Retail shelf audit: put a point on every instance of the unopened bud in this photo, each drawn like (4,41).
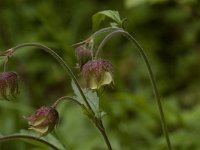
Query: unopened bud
(83,54)
(8,85)
(43,120)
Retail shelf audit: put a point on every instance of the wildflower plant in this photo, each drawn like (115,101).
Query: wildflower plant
(97,72)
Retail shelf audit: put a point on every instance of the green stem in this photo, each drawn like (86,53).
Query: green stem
(95,34)
(104,30)
(65,98)
(153,82)
(66,67)
(96,121)
(102,130)
(62,62)
(20,136)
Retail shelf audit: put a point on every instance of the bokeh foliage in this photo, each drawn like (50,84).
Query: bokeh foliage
(169,31)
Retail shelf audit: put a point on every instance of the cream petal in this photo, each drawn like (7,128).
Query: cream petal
(40,129)
(93,83)
(37,122)
(106,79)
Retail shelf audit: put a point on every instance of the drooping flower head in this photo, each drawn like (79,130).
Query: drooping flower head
(83,54)
(43,120)
(8,85)
(97,73)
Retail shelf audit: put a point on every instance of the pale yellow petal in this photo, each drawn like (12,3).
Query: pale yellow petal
(40,129)
(93,83)
(37,122)
(106,79)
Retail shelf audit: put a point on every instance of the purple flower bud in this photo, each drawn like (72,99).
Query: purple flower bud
(97,73)
(43,120)
(83,54)
(8,85)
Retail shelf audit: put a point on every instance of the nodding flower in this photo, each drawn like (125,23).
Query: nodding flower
(43,120)
(97,73)
(8,85)
(83,54)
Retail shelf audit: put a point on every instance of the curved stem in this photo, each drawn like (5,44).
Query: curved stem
(66,67)
(21,136)
(95,34)
(65,98)
(153,82)
(104,30)
(62,62)
(96,121)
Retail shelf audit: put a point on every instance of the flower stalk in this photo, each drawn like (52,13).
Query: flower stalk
(88,109)
(153,82)
(65,98)
(60,60)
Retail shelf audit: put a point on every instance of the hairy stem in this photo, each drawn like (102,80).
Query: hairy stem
(62,62)
(21,136)
(153,82)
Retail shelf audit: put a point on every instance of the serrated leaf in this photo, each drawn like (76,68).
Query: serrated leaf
(100,16)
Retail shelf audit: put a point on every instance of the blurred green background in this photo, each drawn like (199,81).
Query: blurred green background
(168,30)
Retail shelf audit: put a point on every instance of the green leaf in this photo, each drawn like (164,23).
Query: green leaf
(100,16)
(113,24)
(77,93)
(90,95)
(93,100)
(53,140)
